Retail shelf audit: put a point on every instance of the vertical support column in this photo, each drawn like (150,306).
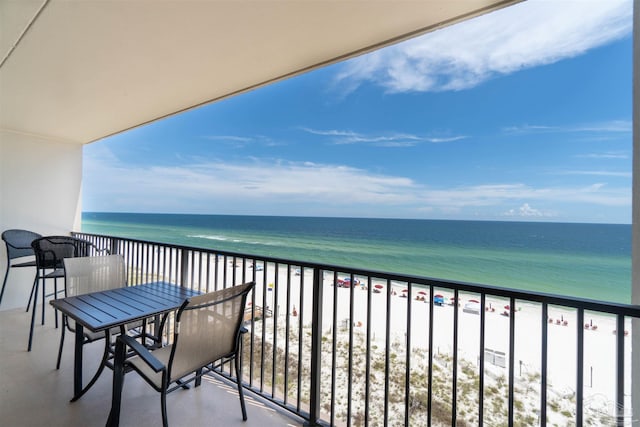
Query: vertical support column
(620,403)
(184,268)
(114,246)
(635,276)
(316,349)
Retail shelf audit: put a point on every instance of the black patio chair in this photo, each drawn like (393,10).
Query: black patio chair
(50,251)
(208,329)
(18,243)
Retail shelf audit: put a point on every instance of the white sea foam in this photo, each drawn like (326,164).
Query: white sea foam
(234,240)
(208,237)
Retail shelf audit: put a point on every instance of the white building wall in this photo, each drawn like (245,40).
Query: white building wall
(40,190)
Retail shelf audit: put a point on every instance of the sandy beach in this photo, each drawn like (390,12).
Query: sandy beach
(352,308)
(390,304)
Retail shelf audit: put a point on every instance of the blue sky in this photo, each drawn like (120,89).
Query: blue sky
(523,114)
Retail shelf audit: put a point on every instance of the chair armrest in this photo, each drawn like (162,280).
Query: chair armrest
(142,351)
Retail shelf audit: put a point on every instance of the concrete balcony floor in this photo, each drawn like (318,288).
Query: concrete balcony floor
(34,393)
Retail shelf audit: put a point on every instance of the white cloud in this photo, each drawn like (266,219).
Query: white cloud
(598,173)
(525,211)
(609,127)
(608,155)
(498,194)
(387,140)
(307,188)
(228,138)
(529,34)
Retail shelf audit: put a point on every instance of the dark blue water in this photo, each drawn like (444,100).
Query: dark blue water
(586,260)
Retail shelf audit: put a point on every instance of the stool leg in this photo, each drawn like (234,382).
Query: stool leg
(44,293)
(31,294)
(33,312)
(4,282)
(55,296)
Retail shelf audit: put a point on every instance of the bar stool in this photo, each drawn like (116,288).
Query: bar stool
(18,243)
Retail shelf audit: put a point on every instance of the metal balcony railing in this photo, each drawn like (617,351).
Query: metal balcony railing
(345,346)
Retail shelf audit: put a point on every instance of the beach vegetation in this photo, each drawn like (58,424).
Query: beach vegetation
(352,355)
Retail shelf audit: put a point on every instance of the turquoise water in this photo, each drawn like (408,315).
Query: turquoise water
(583,260)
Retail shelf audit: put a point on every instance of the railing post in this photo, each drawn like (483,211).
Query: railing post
(316,349)
(114,245)
(184,268)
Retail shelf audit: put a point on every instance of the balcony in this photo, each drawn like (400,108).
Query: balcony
(34,393)
(330,345)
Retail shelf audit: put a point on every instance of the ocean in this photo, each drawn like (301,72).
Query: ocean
(582,260)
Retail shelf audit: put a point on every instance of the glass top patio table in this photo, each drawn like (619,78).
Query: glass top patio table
(101,311)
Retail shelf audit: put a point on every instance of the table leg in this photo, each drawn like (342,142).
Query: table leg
(77,362)
(118,380)
(103,363)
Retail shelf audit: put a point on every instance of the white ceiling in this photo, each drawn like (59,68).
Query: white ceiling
(78,70)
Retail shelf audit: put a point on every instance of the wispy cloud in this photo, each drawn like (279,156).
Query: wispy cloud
(228,138)
(623,126)
(529,34)
(598,173)
(526,129)
(609,155)
(498,194)
(243,141)
(612,126)
(387,140)
(256,186)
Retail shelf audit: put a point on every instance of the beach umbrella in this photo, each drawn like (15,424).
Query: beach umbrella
(474,300)
(422,293)
(405,290)
(438,296)
(378,286)
(507,307)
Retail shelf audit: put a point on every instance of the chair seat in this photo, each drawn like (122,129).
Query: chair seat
(24,264)
(162,354)
(55,274)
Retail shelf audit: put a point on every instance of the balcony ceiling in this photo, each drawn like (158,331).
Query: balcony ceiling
(78,71)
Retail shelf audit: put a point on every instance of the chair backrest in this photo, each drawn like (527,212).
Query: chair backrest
(93,274)
(207,328)
(51,250)
(18,242)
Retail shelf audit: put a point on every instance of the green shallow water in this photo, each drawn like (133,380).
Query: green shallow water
(582,260)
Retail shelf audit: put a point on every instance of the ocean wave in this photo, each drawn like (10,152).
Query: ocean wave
(208,237)
(233,240)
